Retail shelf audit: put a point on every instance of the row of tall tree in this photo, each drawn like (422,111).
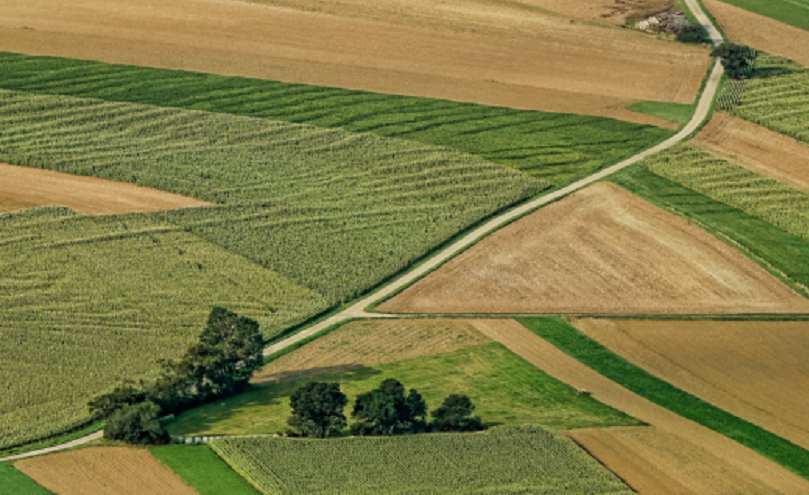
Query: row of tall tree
(318,411)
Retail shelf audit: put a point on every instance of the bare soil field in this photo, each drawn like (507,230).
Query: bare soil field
(742,26)
(107,470)
(758,149)
(369,343)
(655,462)
(27,187)
(746,463)
(755,370)
(599,251)
(514,54)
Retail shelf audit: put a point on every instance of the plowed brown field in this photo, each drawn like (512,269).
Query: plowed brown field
(761,150)
(658,463)
(513,54)
(107,470)
(368,343)
(599,251)
(742,26)
(26,187)
(758,371)
(561,366)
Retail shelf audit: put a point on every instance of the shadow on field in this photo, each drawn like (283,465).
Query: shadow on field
(296,375)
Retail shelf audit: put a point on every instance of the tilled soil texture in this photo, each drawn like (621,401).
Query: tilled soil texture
(747,28)
(754,370)
(758,149)
(747,463)
(512,54)
(27,187)
(368,343)
(658,463)
(107,470)
(617,12)
(599,251)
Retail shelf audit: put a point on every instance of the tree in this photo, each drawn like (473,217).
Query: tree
(137,424)
(455,414)
(387,411)
(124,395)
(736,59)
(317,410)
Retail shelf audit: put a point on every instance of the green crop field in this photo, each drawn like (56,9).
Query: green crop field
(558,148)
(201,469)
(736,186)
(506,459)
(676,112)
(505,389)
(777,97)
(13,482)
(792,12)
(787,255)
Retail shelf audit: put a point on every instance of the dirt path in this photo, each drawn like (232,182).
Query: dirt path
(556,363)
(56,448)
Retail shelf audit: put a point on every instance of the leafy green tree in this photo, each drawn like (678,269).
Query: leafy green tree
(137,424)
(317,410)
(126,394)
(736,59)
(388,411)
(455,414)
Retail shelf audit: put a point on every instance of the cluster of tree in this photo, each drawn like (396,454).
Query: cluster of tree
(317,411)
(737,60)
(220,364)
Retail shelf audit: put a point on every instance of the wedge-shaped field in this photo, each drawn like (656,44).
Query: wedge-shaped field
(759,149)
(600,250)
(754,370)
(527,459)
(26,187)
(652,461)
(512,54)
(108,470)
(369,343)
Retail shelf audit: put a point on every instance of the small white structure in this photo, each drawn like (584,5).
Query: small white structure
(672,22)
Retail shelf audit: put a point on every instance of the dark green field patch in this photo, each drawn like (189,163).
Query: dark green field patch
(792,12)
(13,482)
(203,470)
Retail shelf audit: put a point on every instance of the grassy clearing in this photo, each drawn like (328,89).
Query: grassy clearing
(559,148)
(13,482)
(676,112)
(505,389)
(201,469)
(588,351)
(792,12)
(525,459)
(785,254)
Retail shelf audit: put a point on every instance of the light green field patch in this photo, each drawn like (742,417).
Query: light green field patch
(675,112)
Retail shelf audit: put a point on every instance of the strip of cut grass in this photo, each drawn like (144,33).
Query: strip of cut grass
(675,112)
(792,12)
(203,470)
(14,482)
(593,354)
(559,148)
(504,388)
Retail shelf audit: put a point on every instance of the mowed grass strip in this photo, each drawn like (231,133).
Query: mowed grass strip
(504,388)
(786,254)
(506,459)
(675,112)
(201,469)
(588,351)
(559,148)
(13,482)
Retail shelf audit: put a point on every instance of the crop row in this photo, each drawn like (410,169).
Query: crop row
(559,148)
(513,459)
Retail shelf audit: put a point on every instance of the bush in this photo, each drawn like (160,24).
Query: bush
(691,34)
(137,424)
(455,414)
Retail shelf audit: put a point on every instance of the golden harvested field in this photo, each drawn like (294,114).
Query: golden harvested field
(758,371)
(658,463)
(758,149)
(742,26)
(27,187)
(599,251)
(107,470)
(368,343)
(515,54)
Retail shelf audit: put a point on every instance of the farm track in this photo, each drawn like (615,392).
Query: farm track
(358,309)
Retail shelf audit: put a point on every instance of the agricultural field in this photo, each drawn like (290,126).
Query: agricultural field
(600,250)
(109,470)
(26,187)
(514,54)
(505,458)
(16,483)
(201,469)
(558,148)
(758,149)
(791,12)
(504,388)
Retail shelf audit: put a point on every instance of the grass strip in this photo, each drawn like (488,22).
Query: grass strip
(203,470)
(14,482)
(596,356)
(792,12)
(58,440)
(675,112)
